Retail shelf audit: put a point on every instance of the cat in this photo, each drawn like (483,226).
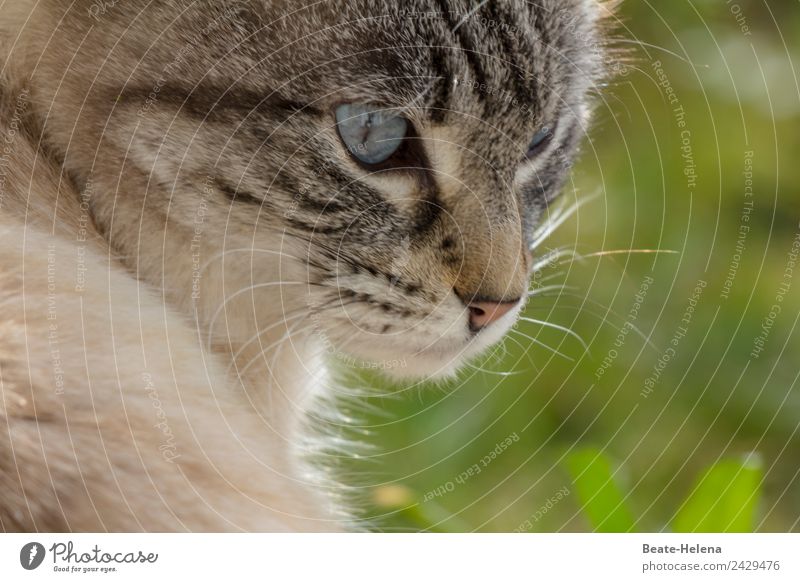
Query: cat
(204,204)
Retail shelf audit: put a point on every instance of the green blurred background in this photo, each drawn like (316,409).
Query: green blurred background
(577,441)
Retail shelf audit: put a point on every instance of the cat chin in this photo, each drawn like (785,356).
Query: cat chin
(404,367)
(423,368)
(434,365)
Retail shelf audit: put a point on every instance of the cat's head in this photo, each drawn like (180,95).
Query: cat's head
(401,155)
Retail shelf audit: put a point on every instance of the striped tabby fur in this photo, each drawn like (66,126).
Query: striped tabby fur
(185,242)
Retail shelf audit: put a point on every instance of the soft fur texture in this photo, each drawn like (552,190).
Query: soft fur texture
(184,239)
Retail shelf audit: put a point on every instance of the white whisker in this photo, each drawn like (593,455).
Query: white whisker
(543,291)
(524,350)
(469,15)
(542,344)
(647,45)
(553,258)
(566,330)
(603,317)
(558,218)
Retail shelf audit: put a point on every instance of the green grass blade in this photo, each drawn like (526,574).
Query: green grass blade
(602,500)
(724,500)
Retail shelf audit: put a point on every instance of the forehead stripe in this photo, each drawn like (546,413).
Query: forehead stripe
(514,45)
(462,37)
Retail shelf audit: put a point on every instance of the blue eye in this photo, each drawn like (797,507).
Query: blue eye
(539,141)
(372,135)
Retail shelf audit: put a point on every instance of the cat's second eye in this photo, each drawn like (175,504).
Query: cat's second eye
(539,142)
(370,133)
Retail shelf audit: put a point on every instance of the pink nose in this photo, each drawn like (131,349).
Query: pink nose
(485,313)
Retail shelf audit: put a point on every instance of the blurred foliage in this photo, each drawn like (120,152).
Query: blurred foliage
(603,502)
(724,500)
(659,425)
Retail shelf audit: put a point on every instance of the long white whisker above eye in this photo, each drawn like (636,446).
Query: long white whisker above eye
(553,258)
(558,218)
(561,328)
